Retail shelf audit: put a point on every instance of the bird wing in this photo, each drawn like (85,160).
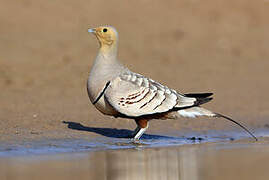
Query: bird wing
(134,95)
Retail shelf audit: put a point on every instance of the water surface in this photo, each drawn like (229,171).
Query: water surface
(237,160)
(153,158)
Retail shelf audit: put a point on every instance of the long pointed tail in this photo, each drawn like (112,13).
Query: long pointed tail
(243,127)
(199,111)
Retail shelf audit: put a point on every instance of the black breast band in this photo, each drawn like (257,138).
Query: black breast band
(102,93)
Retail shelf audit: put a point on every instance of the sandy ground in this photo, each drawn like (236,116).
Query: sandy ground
(191,46)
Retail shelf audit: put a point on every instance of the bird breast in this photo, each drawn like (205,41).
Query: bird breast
(103,106)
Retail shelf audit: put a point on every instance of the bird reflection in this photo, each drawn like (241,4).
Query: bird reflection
(172,164)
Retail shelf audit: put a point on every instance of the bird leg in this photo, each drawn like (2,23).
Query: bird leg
(136,131)
(142,126)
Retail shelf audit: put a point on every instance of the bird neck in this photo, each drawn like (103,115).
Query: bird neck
(109,51)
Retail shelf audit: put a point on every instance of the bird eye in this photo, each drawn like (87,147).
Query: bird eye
(105,30)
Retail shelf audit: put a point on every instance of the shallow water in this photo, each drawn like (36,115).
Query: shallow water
(155,157)
(106,143)
(241,159)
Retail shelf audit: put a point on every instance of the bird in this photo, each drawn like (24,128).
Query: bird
(117,91)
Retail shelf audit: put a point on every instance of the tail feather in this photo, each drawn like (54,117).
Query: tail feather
(243,127)
(199,111)
(200,101)
(201,98)
(195,112)
(198,95)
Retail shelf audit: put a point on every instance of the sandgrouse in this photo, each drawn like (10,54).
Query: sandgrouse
(116,91)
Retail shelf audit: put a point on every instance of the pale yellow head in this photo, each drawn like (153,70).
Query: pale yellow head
(106,35)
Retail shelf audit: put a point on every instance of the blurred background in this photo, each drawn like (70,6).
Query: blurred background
(189,45)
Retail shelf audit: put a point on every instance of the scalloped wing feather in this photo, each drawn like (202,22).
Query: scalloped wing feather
(134,95)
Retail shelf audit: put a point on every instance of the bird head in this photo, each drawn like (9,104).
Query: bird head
(106,35)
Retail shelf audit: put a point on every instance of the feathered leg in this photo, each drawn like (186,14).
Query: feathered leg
(142,126)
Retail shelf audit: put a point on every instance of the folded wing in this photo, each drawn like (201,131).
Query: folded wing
(134,95)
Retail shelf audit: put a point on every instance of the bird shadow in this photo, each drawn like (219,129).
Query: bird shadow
(111,132)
